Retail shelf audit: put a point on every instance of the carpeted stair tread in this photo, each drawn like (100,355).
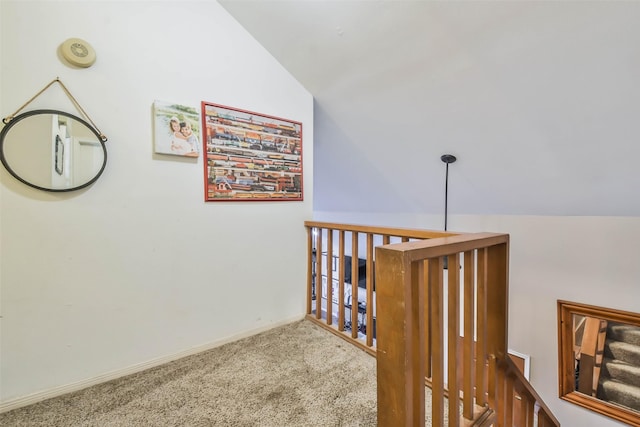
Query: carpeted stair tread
(620,371)
(622,394)
(620,375)
(623,351)
(622,332)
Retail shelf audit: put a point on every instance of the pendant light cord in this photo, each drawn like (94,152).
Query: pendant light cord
(446,196)
(447,158)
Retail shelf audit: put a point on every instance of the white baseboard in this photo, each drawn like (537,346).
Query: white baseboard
(69,388)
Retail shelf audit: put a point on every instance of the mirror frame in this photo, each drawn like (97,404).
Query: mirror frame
(5,130)
(566,358)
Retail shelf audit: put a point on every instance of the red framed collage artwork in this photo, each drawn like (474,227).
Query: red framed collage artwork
(250,156)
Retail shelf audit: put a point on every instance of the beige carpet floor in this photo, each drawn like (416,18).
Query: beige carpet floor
(295,375)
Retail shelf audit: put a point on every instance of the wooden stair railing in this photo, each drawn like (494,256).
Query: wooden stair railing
(416,310)
(411,326)
(522,406)
(424,322)
(326,241)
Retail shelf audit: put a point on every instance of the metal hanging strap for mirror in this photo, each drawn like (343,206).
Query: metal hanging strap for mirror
(103,137)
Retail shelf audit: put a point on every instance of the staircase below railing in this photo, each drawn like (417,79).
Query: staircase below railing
(620,376)
(416,320)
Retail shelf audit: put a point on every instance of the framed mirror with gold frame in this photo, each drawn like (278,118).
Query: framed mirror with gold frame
(599,359)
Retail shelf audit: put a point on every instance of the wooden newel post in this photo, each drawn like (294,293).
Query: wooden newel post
(497,291)
(498,299)
(400,348)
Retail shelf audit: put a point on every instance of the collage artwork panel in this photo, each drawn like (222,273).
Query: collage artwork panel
(250,157)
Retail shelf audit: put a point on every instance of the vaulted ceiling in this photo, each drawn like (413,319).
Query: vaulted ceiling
(539,101)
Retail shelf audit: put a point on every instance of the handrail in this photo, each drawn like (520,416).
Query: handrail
(449,333)
(532,407)
(412,233)
(448,245)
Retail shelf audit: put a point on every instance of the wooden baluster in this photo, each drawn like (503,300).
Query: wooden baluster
(319,274)
(437,340)
(309,268)
(526,409)
(329,276)
(521,409)
(588,356)
(418,290)
(426,322)
(369,289)
(354,284)
(496,291)
(543,420)
(481,333)
(508,404)
(468,371)
(341,280)
(453,328)
(530,410)
(497,391)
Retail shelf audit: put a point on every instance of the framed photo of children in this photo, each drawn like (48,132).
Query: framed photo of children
(176,129)
(250,156)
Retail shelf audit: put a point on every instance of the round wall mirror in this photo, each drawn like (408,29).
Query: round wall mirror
(52,150)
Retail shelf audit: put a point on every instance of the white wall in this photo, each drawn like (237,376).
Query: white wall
(138,267)
(591,260)
(538,99)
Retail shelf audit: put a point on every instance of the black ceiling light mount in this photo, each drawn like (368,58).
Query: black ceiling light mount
(447,159)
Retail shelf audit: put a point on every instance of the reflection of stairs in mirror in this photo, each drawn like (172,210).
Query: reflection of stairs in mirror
(620,375)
